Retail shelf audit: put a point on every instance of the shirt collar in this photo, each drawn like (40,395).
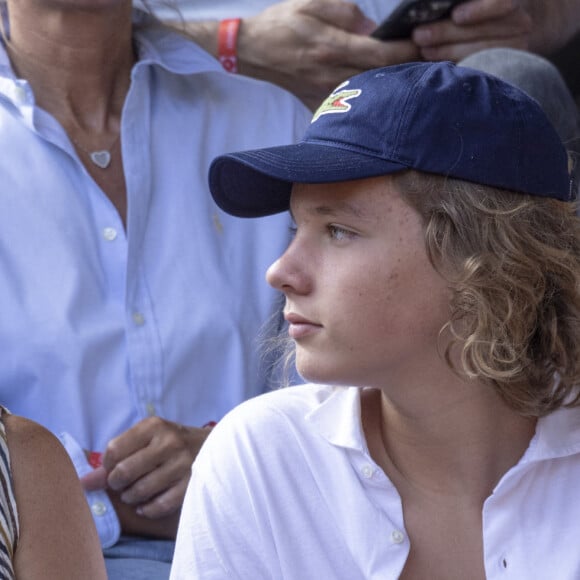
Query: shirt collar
(557,435)
(338,420)
(159,45)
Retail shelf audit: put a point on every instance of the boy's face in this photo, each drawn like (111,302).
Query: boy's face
(364,304)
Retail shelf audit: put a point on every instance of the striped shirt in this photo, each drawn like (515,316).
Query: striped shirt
(8,512)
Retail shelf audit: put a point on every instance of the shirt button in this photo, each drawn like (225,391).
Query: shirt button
(109,234)
(397,537)
(367,471)
(138,319)
(150,409)
(98,508)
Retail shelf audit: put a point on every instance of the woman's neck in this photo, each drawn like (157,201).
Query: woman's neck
(78,62)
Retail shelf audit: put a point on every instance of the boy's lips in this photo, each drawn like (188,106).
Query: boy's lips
(299,327)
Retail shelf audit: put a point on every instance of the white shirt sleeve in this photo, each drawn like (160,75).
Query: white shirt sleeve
(219,536)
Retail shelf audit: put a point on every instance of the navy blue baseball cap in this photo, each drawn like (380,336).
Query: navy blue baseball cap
(431,117)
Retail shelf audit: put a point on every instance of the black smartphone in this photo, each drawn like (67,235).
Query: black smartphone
(410,13)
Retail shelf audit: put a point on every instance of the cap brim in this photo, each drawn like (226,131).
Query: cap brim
(258,183)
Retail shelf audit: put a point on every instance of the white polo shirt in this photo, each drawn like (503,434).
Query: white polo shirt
(285,488)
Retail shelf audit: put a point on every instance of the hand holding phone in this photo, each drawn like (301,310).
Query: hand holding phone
(410,13)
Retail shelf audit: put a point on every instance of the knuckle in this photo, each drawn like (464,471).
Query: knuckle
(183,467)
(112,450)
(155,422)
(172,434)
(140,491)
(121,475)
(324,54)
(352,11)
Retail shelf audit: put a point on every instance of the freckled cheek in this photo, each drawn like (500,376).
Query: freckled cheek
(374,301)
(397,301)
(388,301)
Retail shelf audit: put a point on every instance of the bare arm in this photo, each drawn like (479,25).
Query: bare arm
(310,46)
(58,538)
(307,46)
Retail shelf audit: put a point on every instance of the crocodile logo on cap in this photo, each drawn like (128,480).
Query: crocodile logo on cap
(336,102)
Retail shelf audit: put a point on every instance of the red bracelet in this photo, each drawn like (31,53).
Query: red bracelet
(227,43)
(95,459)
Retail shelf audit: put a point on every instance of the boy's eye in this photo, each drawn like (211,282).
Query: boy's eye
(338,233)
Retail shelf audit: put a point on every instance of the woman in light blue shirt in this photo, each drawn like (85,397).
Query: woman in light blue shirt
(131,304)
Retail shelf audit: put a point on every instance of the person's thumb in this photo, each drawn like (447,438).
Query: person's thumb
(95,480)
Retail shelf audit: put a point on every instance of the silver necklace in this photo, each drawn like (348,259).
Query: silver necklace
(100,157)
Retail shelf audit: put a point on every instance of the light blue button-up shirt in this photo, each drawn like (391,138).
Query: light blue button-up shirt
(100,326)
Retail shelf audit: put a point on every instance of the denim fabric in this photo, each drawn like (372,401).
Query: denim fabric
(134,558)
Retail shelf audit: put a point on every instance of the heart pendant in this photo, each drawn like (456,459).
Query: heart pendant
(101,159)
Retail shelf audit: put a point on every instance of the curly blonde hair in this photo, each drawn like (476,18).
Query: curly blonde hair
(513,263)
